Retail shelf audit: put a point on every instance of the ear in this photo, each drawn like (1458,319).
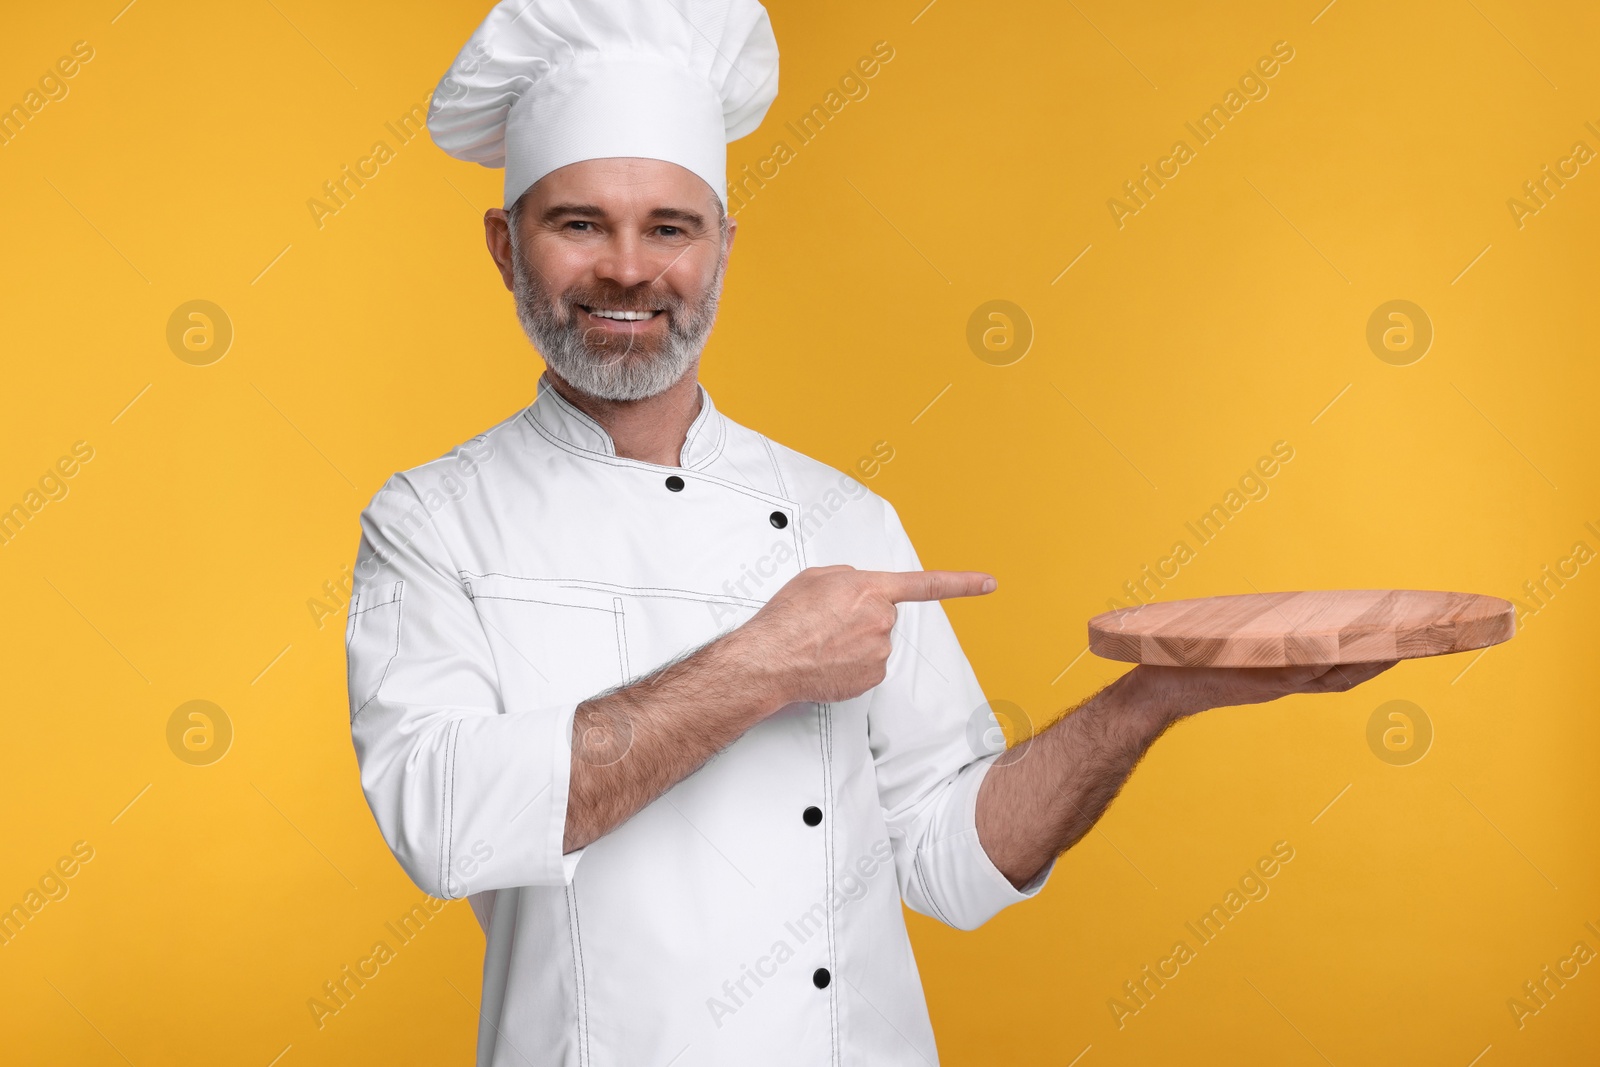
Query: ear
(497,235)
(727,250)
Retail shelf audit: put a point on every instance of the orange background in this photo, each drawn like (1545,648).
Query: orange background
(1228,313)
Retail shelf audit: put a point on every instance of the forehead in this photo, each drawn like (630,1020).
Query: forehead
(625,185)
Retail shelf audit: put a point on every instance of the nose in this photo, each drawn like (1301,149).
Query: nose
(625,261)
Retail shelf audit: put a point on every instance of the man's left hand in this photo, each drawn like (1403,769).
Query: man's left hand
(1182,691)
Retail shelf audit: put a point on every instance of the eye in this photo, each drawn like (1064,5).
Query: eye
(580,222)
(674,231)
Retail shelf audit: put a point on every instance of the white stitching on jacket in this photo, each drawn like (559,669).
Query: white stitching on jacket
(397,600)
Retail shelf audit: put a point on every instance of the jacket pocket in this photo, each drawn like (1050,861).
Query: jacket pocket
(371,641)
(554,642)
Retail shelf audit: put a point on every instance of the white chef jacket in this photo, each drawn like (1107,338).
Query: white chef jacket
(749,915)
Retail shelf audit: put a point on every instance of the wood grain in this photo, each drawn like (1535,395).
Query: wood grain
(1318,627)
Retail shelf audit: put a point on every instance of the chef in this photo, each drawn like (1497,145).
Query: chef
(675,707)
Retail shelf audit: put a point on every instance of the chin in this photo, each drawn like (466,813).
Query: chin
(643,376)
(629,356)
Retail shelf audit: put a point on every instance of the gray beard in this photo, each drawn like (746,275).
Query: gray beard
(623,369)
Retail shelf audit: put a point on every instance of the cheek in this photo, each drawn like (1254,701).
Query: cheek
(692,274)
(558,266)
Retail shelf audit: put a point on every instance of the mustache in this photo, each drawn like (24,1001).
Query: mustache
(636,298)
(623,301)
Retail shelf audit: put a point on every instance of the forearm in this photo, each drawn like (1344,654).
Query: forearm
(823,637)
(1045,793)
(632,745)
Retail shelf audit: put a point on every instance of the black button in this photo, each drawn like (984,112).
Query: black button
(812,815)
(675,483)
(820,978)
(779,519)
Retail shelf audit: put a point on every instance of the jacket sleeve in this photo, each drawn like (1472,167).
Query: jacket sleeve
(933,738)
(468,797)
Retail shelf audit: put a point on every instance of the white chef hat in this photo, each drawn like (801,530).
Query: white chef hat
(545,83)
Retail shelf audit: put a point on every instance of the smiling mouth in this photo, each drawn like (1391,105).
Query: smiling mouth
(620,315)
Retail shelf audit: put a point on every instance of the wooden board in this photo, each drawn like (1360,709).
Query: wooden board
(1320,627)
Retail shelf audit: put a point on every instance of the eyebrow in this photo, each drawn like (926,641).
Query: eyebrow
(594,211)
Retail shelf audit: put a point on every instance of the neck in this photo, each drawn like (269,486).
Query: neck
(651,430)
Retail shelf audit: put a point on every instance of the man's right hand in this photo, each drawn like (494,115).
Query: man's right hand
(825,635)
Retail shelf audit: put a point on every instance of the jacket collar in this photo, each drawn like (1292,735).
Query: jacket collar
(555,417)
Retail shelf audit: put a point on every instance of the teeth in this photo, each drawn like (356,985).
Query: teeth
(626,316)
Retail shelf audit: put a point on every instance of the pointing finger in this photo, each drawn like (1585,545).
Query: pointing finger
(933,585)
